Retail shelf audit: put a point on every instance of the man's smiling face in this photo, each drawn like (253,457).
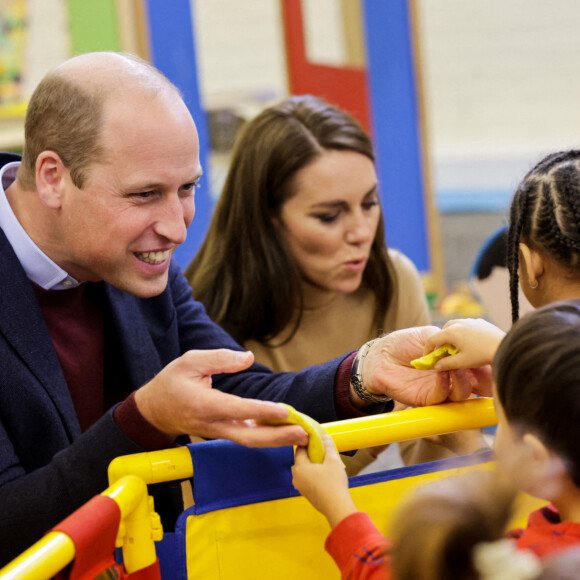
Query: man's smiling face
(137,203)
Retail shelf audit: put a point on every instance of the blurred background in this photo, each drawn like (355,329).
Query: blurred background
(461,96)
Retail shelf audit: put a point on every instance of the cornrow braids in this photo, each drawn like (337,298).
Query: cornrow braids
(518,216)
(545,214)
(562,244)
(567,180)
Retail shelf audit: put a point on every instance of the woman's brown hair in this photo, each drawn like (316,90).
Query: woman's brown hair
(243,272)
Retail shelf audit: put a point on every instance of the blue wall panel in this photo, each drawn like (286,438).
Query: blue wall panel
(173,52)
(394,118)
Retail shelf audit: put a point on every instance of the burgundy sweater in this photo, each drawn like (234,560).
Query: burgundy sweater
(75,322)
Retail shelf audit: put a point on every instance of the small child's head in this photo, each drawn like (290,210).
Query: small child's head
(545,216)
(536,372)
(436,529)
(454,529)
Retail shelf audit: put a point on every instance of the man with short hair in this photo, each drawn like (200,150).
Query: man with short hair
(104,352)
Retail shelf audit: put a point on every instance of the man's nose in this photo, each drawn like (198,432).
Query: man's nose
(175,218)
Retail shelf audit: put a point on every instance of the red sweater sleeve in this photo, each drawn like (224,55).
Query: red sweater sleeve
(359,549)
(136,427)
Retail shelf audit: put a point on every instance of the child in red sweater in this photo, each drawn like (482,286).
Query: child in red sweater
(444,535)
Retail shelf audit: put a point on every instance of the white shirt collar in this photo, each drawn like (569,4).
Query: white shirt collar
(38,266)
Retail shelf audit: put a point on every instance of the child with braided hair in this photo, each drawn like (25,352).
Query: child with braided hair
(543,247)
(454,533)
(543,255)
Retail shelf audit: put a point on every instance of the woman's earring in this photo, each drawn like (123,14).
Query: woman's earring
(534,286)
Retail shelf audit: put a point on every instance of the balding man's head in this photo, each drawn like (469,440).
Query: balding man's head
(65,112)
(111,72)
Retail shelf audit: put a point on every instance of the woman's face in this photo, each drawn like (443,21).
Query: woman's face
(330,221)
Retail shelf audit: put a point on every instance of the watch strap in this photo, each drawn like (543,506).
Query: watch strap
(356,376)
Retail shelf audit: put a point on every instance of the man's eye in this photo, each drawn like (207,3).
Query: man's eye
(144,194)
(188,188)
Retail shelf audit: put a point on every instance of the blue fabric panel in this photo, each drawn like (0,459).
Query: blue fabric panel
(227,474)
(396,132)
(171,35)
(422,468)
(171,554)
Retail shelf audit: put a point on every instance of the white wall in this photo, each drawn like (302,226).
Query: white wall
(502,81)
(240,50)
(502,71)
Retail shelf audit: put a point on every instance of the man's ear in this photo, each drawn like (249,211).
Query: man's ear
(533,264)
(50,179)
(545,468)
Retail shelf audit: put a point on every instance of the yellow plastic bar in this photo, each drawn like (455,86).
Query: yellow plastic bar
(140,524)
(153,466)
(173,464)
(54,551)
(43,560)
(412,423)
(127,493)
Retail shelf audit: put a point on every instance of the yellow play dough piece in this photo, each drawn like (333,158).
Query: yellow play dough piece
(314,430)
(428,361)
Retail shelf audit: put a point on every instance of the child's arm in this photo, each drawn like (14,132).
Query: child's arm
(324,485)
(355,544)
(476,341)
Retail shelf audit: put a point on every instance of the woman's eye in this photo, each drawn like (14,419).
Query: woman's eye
(327,218)
(370,204)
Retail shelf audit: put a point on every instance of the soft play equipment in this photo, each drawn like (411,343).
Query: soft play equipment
(246,519)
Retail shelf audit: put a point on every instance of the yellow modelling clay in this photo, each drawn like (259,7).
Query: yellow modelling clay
(428,361)
(314,430)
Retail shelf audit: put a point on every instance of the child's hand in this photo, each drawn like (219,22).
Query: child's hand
(476,341)
(324,485)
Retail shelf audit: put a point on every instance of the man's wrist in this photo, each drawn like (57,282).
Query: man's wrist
(356,379)
(131,421)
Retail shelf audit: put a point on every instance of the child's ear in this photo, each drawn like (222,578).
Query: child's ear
(546,469)
(533,264)
(537,450)
(50,182)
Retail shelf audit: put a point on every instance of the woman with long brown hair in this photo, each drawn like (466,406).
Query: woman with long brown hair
(294,265)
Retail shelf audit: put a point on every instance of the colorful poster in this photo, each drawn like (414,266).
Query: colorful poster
(12,50)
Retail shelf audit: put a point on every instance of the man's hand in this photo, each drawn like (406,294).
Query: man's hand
(387,370)
(180,401)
